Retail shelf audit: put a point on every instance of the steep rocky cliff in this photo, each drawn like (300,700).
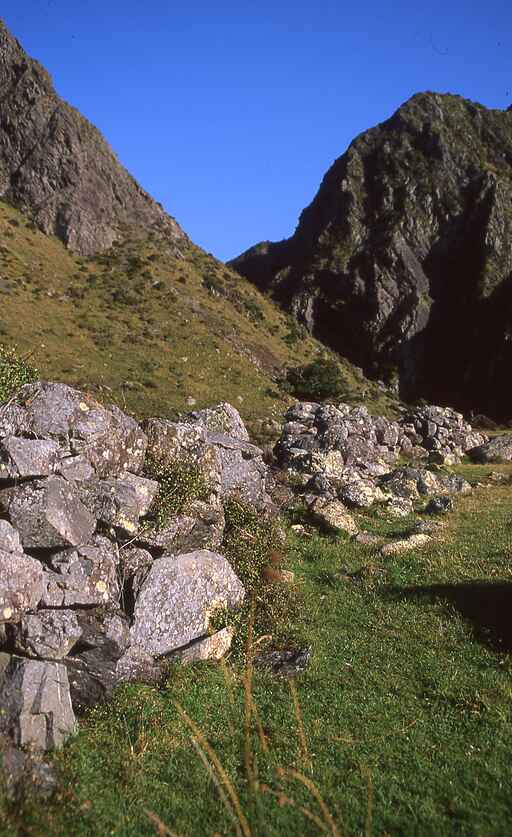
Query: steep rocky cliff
(57,167)
(403,261)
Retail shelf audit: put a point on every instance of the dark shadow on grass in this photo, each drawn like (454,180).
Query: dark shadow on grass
(486,605)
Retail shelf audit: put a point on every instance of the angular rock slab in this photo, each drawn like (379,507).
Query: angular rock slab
(48,514)
(48,634)
(222,418)
(111,441)
(27,457)
(333,516)
(21,585)
(83,576)
(178,597)
(119,502)
(243,472)
(36,703)
(201,528)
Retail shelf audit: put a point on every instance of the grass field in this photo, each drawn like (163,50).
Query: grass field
(401,725)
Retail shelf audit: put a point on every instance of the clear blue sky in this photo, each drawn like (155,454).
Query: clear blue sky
(229,113)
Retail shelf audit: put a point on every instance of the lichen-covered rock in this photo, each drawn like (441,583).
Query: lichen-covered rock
(178,597)
(333,516)
(93,670)
(223,419)
(109,440)
(243,472)
(27,457)
(119,502)
(21,584)
(48,514)
(36,703)
(417,541)
(83,576)
(497,449)
(440,505)
(48,634)
(212,647)
(201,527)
(10,540)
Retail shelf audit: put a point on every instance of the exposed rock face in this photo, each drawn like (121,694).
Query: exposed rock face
(56,166)
(402,259)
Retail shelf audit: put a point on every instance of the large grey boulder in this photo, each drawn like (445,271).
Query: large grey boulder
(48,634)
(108,439)
(83,576)
(21,584)
(178,597)
(48,514)
(497,449)
(36,703)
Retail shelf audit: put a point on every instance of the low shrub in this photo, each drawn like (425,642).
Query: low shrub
(15,371)
(180,482)
(316,381)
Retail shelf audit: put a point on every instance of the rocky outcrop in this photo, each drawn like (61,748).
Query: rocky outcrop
(97,585)
(498,449)
(57,168)
(341,458)
(402,260)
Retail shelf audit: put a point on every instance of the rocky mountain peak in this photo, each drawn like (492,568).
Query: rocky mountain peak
(56,167)
(402,260)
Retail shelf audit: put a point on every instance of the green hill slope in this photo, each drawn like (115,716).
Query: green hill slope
(154,326)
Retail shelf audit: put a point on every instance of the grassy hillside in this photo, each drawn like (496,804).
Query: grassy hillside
(151,327)
(402,722)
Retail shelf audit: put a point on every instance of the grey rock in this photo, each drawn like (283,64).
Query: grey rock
(21,585)
(27,457)
(212,647)
(109,440)
(10,540)
(138,665)
(243,472)
(48,634)
(134,565)
(223,419)
(284,663)
(440,505)
(36,703)
(83,576)
(498,449)
(202,527)
(333,516)
(119,502)
(93,670)
(178,597)
(48,514)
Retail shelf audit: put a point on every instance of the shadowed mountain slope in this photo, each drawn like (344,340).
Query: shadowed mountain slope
(403,261)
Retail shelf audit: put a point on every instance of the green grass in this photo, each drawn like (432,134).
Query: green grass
(405,707)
